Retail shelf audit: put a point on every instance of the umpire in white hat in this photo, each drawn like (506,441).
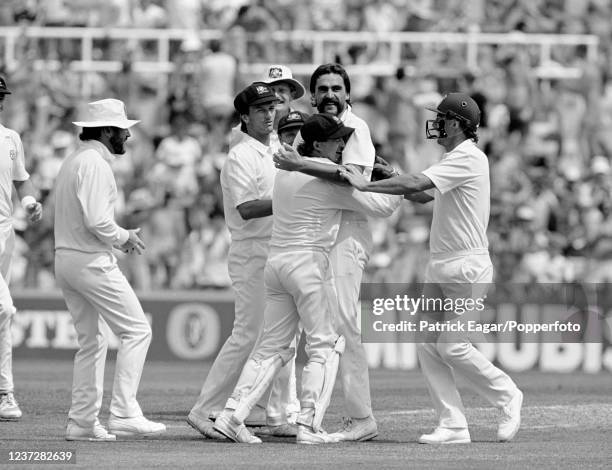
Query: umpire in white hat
(94,288)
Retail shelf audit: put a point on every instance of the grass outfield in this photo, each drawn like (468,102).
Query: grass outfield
(566,424)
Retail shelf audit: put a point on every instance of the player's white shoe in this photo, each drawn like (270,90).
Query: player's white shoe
(9,408)
(134,427)
(306,435)
(355,429)
(204,427)
(511,418)
(97,433)
(234,431)
(283,430)
(446,436)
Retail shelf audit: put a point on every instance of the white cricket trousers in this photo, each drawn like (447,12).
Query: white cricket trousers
(349,257)
(97,292)
(7,310)
(246,261)
(299,290)
(460,275)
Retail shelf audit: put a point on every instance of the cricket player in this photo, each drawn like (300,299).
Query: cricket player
(299,288)
(282,400)
(286,88)
(459,266)
(12,173)
(330,89)
(95,290)
(247,179)
(289,126)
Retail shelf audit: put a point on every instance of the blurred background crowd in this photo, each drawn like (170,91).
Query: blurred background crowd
(545,127)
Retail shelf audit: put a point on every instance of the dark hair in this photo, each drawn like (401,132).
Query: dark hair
(470,132)
(329,68)
(305,148)
(91,133)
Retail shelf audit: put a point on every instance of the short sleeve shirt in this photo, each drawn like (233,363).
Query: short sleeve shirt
(12,168)
(247,175)
(461,200)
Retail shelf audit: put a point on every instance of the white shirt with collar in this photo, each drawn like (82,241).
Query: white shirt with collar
(462,200)
(307,210)
(359,149)
(85,196)
(247,175)
(12,168)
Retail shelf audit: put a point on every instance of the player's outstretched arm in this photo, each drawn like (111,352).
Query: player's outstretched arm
(288,159)
(420,197)
(401,184)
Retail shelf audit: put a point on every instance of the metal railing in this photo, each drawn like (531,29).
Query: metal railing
(320,43)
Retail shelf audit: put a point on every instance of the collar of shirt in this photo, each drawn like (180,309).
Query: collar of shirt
(462,147)
(257,145)
(100,148)
(344,114)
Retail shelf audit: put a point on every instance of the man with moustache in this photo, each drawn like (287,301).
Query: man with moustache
(330,89)
(307,213)
(94,288)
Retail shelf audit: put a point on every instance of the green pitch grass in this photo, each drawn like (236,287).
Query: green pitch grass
(566,424)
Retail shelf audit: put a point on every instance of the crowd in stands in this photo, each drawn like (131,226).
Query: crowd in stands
(546,135)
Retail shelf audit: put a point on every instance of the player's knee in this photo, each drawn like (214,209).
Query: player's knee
(452,351)
(244,337)
(265,351)
(141,333)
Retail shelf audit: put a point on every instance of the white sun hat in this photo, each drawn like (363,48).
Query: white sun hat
(282,73)
(108,112)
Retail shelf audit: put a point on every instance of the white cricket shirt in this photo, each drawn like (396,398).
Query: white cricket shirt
(359,150)
(247,175)
(12,168)
(461,200)
(307,210)
(85,196)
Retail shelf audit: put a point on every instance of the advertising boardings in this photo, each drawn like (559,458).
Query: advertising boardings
(193,326)
(186,325)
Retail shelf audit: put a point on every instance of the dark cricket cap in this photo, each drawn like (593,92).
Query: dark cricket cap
(324,126)
(255,94)
(3,88)
(293,120)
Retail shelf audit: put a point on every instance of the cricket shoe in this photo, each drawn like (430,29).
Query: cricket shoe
(97,433)
(235,431)
(134,427)
(9,408)
(204,427)
(357,429)
(306,435)
(511,418)
(446,436)
(283,430)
